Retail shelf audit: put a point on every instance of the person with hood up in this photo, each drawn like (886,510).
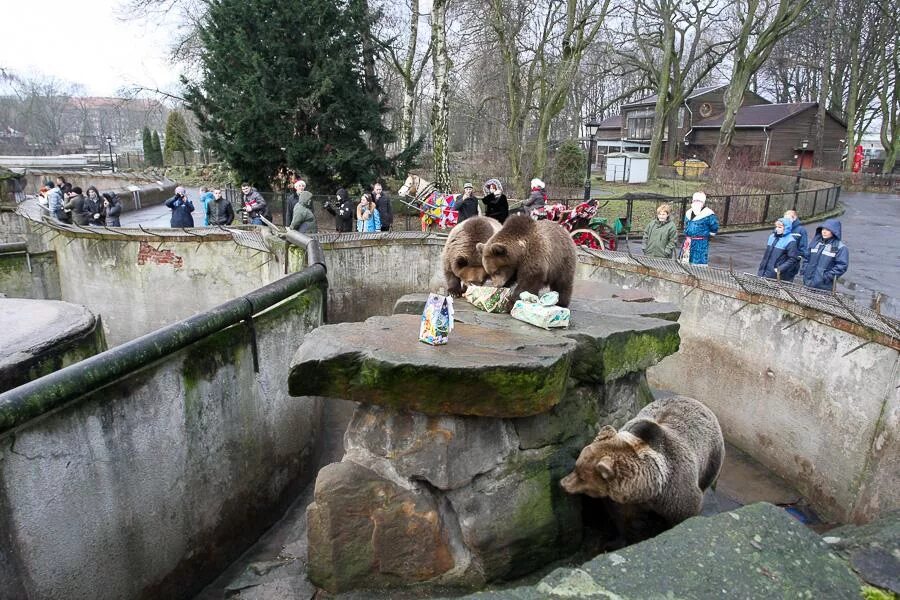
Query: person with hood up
(206,196)
(181,209)
(660,234)
(75,204)
(829,257)
(219,212)
(781,260)
(496,205)
(342,210)
(111,208)
(301,196)
(303,219)
(700,223)
(468,204)
(538,197)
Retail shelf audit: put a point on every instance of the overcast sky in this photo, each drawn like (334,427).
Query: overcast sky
(87,42)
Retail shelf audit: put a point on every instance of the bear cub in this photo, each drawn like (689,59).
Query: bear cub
(460,259)
(531,255)
(653,470)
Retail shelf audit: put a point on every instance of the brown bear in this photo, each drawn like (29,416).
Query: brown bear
(655,469)
(532,255)
(460,260)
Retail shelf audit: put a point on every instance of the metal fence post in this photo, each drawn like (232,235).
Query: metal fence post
(765,218)
(837,196)
(816,202)
(629,209)
(796,200)
(727,210)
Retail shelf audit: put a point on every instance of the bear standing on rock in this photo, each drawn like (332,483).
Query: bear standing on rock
(460,259)
(655,468)
(532,255)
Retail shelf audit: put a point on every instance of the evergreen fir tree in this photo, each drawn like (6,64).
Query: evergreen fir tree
(147,144)
(283,85)
(157,150)
(178,138)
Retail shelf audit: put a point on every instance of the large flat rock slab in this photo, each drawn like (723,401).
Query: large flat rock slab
(610,345)
(492,372)
(38,337)
(756,552)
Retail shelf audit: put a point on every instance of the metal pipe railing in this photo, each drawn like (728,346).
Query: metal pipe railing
(35,398)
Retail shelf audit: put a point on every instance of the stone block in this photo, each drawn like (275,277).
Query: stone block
(447,452)
(517,518)
(367,532)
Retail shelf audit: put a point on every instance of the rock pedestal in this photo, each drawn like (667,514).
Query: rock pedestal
(454,455)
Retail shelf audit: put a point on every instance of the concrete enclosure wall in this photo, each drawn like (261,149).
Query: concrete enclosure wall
(139,285)
(812,402)
(367,273)
(150,486)
(33,276)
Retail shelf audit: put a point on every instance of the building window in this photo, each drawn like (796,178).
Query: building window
(640,124)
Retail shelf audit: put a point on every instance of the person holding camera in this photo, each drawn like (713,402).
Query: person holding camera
(342,210)
(253,204)
(181,209)
(383,203)
(111,209)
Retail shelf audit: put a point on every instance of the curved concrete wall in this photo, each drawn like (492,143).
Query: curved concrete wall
(140,284)
(815,403)
(150,486)
(368,273)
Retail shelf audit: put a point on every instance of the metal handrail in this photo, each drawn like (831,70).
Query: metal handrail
(50,392)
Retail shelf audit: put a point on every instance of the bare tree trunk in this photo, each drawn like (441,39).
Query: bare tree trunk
(853,92)
(749,58)
(440,111)
(662,98)
(824,90)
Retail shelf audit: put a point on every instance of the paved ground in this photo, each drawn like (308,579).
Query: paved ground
(870,227)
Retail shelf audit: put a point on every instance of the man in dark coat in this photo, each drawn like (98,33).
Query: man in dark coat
(383,204)
(219,212)
(468,204)
(181,208)
(829,257)
(111,209)
(81,215)
(254,204)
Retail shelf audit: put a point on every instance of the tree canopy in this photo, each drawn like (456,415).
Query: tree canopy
(283,85)
(178,138)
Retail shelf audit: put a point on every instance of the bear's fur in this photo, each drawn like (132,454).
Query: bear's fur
(532,255)
(655,469)
(460,259)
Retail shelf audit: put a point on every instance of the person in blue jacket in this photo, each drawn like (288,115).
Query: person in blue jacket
(206,196)
(700,222)
(799,232)
(781,259)
(181,209)
(829,257)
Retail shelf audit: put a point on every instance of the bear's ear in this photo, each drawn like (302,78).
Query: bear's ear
(479,247)
(606,468)
(498,250)
(461,262)
(606,432)
(648,431)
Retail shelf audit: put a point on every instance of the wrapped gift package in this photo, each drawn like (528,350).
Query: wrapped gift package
(489,299)
(540,311)
(437,320)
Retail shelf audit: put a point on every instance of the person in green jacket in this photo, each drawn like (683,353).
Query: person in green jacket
(660,234)
(303,219)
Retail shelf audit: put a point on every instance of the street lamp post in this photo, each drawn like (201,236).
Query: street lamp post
(591,126)
(109,145)
(803,145)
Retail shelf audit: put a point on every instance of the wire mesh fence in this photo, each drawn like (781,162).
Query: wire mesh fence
(831,303)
